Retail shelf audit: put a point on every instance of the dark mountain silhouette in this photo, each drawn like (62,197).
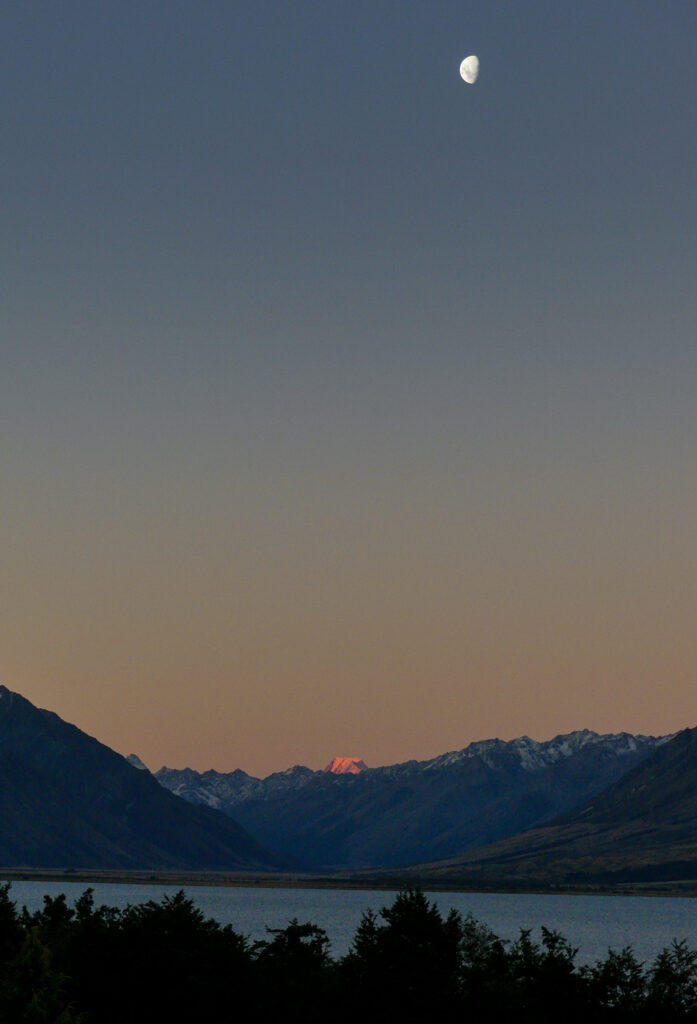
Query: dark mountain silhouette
(415,811)
(643,828)
(67,800)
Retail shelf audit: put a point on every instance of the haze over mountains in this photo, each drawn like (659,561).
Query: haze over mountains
(67,800)
(416,811)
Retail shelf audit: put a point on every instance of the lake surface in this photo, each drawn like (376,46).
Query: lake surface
(593,923)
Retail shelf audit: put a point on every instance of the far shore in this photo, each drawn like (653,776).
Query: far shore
(184,879)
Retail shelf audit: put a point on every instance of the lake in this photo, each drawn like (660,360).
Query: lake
(593,923)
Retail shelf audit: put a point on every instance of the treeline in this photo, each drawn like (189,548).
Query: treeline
(165,962)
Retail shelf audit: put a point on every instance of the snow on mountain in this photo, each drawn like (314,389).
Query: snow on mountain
(420,810)
(226,790)
(528,754)
(346,766)
(136,762)
(223,790)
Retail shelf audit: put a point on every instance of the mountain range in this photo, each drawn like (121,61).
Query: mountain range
(416,811)
(67,800)
(643,828)
(575,810)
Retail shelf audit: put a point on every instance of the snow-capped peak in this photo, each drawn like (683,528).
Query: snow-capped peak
(136,762)
(346,766)
(532,755)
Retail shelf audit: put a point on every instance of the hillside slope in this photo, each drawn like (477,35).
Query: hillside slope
(67,800)
(641,828)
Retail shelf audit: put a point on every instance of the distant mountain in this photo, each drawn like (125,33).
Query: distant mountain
(416,811)
(346,766)
(643,828)
(66,800)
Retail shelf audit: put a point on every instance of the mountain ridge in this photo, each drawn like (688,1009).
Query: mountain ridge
(395,814)
(67,800)
(551,751)
(643,827)
(346,766)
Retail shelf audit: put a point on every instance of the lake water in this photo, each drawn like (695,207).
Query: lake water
(647,923)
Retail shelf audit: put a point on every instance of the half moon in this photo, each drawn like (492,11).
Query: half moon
(469,69)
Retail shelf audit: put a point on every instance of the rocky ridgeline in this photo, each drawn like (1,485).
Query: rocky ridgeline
(352,816)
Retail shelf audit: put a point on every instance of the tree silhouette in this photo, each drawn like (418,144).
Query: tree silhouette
(294,972)
(10,929)
(672,988)
(166,961)
(409,963)
(617,985)
(31,991)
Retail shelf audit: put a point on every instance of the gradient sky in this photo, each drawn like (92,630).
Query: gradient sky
(345,408)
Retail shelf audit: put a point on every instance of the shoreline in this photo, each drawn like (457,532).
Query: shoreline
(188,879)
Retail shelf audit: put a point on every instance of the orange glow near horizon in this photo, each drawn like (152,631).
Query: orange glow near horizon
(348,412)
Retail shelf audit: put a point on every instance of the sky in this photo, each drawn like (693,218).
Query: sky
(345,408)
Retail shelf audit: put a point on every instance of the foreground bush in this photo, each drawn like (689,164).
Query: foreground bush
(165,962)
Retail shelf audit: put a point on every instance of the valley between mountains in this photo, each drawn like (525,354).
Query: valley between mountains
(578,809)
(417,811)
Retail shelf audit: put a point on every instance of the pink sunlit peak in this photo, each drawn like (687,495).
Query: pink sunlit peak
(346,766)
